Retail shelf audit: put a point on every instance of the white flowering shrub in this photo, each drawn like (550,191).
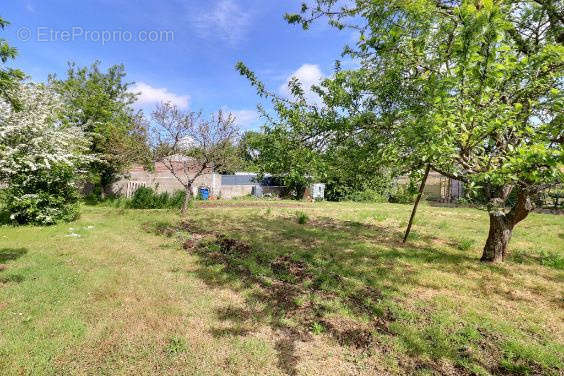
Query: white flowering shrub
(39,159)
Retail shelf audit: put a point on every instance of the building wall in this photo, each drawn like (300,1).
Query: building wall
(232,191)
(438,187)
(164,182)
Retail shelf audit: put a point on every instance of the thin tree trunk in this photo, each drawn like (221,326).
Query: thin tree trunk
(421,188)
(187,198)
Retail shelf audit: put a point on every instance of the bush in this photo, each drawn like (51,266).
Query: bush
(147,198)
(368,195)
(42,197)
(403,195)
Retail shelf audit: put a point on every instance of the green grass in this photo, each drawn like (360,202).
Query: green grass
(243,287)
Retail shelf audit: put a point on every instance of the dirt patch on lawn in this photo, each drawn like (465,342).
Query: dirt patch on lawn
(285,265)
(350,332)
(230,246)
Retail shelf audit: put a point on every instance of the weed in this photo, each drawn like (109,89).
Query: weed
(302,218)
(551,259)
(518,256)
(465,244)
(443,225)
(543,257)
(317,328)
(176,345)
(380,217)
(413,235)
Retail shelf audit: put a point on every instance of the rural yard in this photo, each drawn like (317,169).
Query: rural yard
(250,187)
(266,287)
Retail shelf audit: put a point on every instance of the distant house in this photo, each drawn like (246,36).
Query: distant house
(439,187)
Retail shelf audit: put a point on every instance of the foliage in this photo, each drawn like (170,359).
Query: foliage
(472,88)
(368,195)
(9,77)
(40,158)
(403,195)
(44,197)
(247,153)
(147,198)
(349,172)
(279,152)
(101,104)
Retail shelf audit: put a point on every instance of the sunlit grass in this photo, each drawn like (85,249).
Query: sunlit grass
(116,293)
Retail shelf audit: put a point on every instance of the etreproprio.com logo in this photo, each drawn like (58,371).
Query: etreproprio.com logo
(77,33)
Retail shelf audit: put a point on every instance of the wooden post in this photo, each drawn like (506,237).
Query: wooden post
(421,188)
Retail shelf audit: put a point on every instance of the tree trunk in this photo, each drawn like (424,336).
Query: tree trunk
(421,189)
(187,198)
(498,238)
(502,224)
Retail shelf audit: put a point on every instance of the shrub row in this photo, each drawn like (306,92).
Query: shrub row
(147,198)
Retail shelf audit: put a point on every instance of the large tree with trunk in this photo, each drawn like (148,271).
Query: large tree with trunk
(472,89)
(190,146)
(101,103)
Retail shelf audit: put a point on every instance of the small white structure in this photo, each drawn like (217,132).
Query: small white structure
(318,191)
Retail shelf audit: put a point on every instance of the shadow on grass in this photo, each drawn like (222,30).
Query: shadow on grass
(345,279)
(9,254)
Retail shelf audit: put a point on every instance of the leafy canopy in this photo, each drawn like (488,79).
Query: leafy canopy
(473,88)
(9,77)
(101,104)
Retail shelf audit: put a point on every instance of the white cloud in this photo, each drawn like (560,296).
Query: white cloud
(150,95)
(226,20)
(244,118)
(308,75)
(30,8)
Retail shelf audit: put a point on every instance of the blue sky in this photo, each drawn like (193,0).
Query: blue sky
(193,64)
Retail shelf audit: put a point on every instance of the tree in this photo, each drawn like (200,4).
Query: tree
(279,152)
(9,77)
(101,104)
(40,158)
(472,88)
(190,146)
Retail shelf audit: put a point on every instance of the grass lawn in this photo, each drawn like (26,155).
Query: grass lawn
(243,288)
